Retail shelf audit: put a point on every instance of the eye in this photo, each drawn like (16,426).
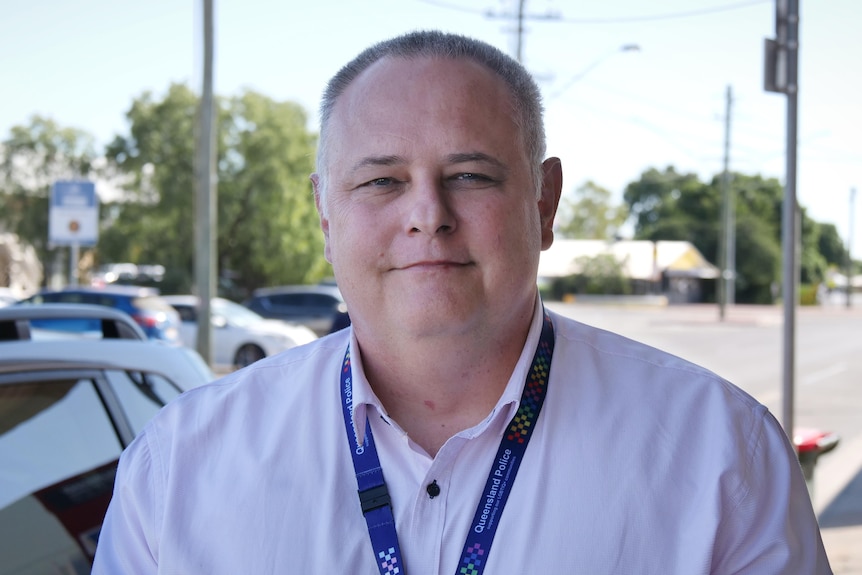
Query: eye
(472,176)
(379,182)
(471,181)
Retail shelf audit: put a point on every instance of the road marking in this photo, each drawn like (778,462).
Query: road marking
(774,396)
(830,371)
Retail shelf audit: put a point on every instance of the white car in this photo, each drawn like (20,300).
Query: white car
(68,407)
(240,336)
(7,297)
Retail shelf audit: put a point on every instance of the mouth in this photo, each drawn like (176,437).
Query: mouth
(431,265)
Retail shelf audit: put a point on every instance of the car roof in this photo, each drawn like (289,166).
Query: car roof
(14,319)
(324,289)
(181,299)
(115,289)
(178,364)
(187,299)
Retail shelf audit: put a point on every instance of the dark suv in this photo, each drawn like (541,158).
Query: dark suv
(159,320)
(319,307)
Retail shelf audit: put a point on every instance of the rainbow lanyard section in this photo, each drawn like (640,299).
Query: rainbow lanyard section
(374,496)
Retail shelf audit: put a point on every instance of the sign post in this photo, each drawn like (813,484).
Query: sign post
(781,75)
(73,219)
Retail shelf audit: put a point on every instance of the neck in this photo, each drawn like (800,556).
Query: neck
(437,387)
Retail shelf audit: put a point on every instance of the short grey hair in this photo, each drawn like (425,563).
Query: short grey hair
(525,94)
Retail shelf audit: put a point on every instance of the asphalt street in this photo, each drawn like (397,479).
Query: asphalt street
(746,346)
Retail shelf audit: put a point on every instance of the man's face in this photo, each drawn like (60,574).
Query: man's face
(433,225)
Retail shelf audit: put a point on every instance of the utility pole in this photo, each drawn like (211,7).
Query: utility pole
(727,247)
(520,33)
(781,75)
(205,212)
(520,16)
(849,271)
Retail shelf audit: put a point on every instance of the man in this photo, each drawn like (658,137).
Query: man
(479,430)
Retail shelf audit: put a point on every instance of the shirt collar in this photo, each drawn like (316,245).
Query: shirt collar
(364,397)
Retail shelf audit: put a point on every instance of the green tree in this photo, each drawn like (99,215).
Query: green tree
(267,225)
(32,158)
(271,233)
(601,274)
(671,206)
(831,246)
(154,221)
(758,236)
(590,214)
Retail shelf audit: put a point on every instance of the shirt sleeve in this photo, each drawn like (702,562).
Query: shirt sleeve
(772,529)
(128,542)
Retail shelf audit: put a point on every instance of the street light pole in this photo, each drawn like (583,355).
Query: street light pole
(849,271)
(727,247)
(205,220)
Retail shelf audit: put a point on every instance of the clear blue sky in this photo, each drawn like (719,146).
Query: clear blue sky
(81,62)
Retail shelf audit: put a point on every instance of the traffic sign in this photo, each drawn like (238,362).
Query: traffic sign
(73,218)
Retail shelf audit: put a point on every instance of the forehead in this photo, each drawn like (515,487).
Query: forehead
(426,97)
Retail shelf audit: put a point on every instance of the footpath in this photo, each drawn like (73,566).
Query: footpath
(837,497)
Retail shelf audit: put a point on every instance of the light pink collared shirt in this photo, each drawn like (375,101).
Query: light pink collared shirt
(640,463)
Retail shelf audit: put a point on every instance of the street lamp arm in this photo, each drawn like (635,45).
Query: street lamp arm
(592,66)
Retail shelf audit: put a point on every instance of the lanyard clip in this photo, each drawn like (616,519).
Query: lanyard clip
(374,498)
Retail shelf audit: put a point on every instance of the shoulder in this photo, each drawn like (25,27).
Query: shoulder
(270,388)
(662,401)
(659,401)
(620,360)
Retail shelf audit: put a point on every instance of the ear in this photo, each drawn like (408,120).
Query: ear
(552,187)
(321,212)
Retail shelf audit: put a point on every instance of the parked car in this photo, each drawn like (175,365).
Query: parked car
(7,297)
(315,306)
(155,316)
(66,320)
(240,336)
(129,274)
(68,407)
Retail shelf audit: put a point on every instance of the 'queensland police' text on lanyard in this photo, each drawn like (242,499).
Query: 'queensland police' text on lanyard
(374,496)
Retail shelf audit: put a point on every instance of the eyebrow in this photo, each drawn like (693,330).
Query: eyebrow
(378,161)
(475,157)
(459,158)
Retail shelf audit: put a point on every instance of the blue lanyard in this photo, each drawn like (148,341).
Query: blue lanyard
(374,496)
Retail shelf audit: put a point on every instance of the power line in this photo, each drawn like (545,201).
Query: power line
(667,16)
(553,17)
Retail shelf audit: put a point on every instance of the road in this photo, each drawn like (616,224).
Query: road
(746,347)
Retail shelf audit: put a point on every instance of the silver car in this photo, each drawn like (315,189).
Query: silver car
(240,336)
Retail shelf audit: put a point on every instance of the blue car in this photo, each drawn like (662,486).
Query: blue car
(157,318)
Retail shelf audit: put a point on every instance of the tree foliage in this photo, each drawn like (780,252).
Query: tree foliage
(153,223)
(267,225)
(831,246)
(671,206)
(32,158)
(590,214)
(597,275)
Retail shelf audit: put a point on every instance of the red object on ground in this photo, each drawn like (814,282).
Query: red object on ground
(807,440)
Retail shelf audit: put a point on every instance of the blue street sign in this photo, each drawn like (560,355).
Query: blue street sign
(73,218)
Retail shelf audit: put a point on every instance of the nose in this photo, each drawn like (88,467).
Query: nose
(430,211)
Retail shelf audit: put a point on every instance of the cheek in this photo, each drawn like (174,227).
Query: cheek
(357,240)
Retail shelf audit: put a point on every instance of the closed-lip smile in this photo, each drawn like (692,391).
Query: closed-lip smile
(429,264)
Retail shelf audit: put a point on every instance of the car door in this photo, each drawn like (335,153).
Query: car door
(61,433)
